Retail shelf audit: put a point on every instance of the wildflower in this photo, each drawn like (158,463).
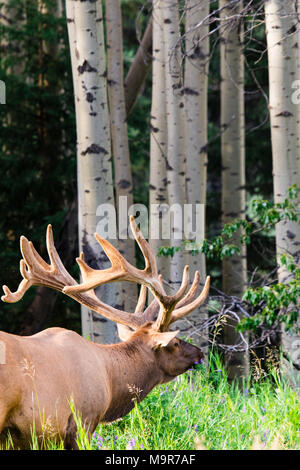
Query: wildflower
(196,427)
(131,444)
(246,393)
(244,409)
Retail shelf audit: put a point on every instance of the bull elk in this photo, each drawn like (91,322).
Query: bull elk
(43,372)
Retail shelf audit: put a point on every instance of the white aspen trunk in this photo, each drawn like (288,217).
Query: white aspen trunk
(158,142)
(95,187)
(280,21)
(175,130)
(120,146)
(296,84)
(195,93)
(233,171)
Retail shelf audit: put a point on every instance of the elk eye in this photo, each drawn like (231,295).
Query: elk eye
(176,344)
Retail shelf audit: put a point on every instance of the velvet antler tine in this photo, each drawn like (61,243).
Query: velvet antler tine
(27,252)
(184,283)
(56,262)
(192,292)
(115,257)
(186,309)
(141,300)
(93,278)
(38,258)
(12,297)
(145,248)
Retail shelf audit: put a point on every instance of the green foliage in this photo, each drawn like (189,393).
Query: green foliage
(277,303)
(200,409)
(37,135)
(265,215)
(272,304)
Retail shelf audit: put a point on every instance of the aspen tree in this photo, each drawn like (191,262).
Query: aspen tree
(281,23)
(158,141)
(195,105)
(95,187)
(175,130)
(120,146)
(233,166)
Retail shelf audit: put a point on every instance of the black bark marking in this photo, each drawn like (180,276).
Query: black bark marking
(284,114)
(94,148)
(154,129)
(90,97)
(98,318)
(232,214)
(290,234)
(85,67)
(197,53)
(124,184)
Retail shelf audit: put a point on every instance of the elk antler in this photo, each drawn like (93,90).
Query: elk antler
(35,271)
(122,270)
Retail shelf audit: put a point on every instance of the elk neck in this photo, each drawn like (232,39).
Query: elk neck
(131,372)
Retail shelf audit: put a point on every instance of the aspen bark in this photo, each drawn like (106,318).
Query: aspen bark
(158,142)
(139,69)
(195,94)
(284,114)
(95,187)
(296,83)
(120,146)
(233,169)
(175,130)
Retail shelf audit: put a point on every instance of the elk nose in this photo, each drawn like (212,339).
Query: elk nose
(199,361)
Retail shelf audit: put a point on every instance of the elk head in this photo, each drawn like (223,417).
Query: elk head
(152,323)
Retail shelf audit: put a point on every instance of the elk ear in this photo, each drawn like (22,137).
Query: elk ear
(124,332)
(163,339)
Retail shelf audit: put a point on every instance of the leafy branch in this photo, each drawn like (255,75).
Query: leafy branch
(274,303)
(265,216)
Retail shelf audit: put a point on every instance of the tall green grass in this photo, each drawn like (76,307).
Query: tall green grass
(201,410)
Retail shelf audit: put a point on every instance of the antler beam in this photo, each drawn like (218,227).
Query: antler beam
(35,271)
